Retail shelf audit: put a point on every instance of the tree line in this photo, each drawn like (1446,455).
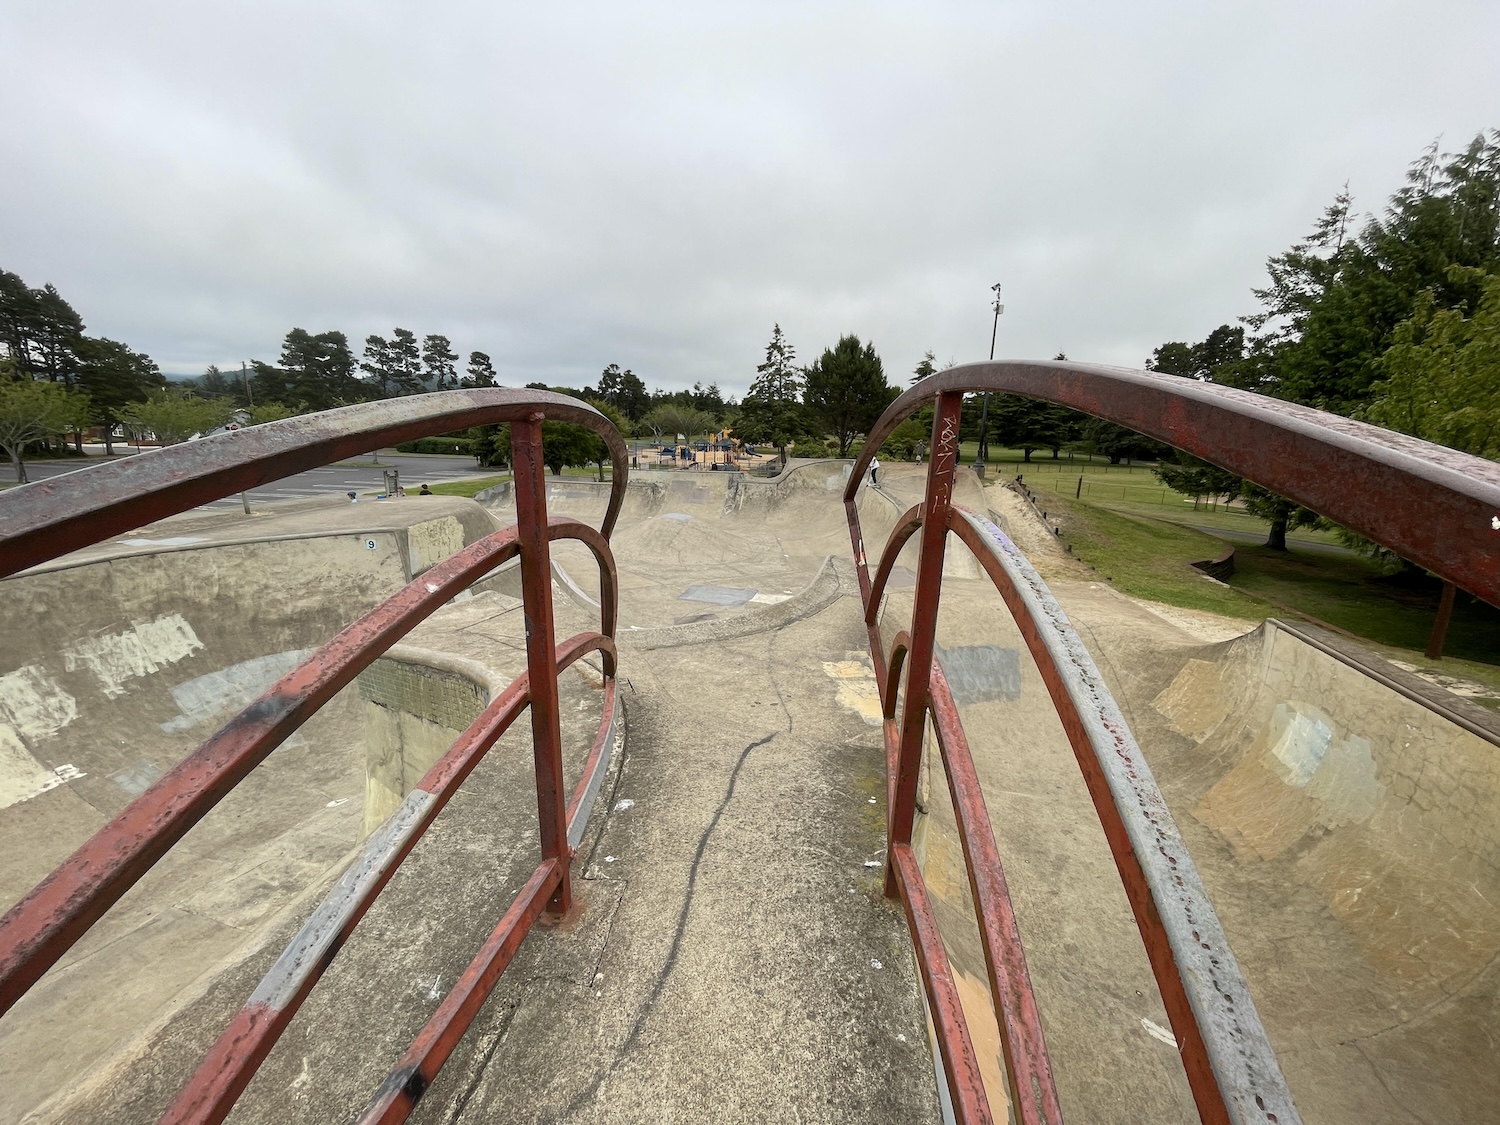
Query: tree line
(1393,319)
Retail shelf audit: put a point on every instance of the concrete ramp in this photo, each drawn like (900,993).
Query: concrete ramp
(1347,817)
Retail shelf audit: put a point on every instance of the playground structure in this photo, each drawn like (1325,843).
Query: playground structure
(1432,505)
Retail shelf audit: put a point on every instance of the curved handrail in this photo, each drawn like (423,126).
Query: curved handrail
(40,521)
(228,1065)
(1230,1066)
(1196,972)
(1430,504)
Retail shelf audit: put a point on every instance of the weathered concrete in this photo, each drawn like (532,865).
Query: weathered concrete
(725,866)
(114,664)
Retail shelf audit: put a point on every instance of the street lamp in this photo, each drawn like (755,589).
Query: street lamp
(984,411)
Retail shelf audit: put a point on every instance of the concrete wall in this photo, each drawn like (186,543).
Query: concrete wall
(415,705)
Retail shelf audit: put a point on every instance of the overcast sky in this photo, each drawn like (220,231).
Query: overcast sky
(569,185)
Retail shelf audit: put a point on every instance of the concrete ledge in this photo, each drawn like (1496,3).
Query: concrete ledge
(1477,720)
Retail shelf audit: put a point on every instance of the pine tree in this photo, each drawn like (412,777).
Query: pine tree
(438,359)
(846,391)
(481,372)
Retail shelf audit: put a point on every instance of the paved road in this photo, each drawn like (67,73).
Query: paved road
(360,475)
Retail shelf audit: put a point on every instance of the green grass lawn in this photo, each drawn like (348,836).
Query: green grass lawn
(1147,556)
(466,487)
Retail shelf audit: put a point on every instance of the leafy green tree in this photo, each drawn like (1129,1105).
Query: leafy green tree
(438,360)
(481,371)
(1442,373)
(173,416)
(263,412)
(114,376)
(905,439)
(846,391)
(35,410)
(666,422)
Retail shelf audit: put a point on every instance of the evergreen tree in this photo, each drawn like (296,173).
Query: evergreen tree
(624,391)
(772,410)
(438,360)
(405,363)
(113,376)
(927,366)
(846,391)
(481,371)
(379,367)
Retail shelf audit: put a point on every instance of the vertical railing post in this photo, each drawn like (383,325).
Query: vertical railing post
(936,505)
(541,648)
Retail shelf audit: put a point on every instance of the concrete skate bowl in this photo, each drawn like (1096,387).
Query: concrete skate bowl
(1109,1010)
(706,555)
(127,654)
(120,660)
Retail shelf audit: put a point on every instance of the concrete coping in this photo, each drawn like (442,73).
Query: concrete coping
(1477,720)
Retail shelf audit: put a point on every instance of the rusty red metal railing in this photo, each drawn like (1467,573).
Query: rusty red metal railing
(1434,506)
(42,521)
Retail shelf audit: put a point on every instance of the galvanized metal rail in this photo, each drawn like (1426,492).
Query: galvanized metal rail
(1432,505)
(48,519)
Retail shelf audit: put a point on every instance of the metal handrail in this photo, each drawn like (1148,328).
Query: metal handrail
(1433,505)
(42,521)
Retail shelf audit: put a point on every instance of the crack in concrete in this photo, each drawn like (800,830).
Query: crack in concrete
(670,962)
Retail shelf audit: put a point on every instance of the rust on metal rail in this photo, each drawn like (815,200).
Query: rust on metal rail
(42,521)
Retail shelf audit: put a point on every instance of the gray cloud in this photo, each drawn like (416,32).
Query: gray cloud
(587,184)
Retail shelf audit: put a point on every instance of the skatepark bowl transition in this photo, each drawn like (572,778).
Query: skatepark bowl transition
(835,800)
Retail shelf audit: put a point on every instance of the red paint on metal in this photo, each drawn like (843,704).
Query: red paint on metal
(530,489)
(1191,1046)
(229,1067)
(49,518)
(60,909)
(42,522)
(956,1050)
(399,1095)
(1028,1069)
(924,622)
(1428,503)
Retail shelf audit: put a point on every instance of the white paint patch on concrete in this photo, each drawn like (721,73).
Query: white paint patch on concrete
(857,690)
(769,599)
(22,777)
(33,704)
(174,541)
(203,697)
(144,648)
(1300,739)
(1159,1033)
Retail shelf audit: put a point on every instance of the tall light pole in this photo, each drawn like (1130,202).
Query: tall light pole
(984,410)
